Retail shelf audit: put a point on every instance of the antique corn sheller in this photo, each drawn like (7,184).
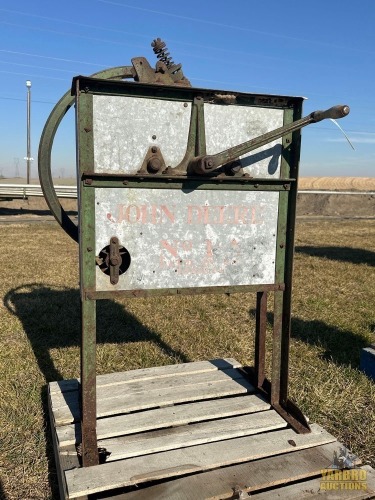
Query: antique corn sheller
(181,190)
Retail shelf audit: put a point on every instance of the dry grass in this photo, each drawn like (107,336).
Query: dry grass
(39,336)
(338,183)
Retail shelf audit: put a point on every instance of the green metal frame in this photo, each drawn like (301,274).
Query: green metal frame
(286,186)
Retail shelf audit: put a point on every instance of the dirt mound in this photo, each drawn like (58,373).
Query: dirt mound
(336,205)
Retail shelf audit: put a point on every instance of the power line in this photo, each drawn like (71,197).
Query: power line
(266,88)
(228,26)
(34,66)
(50,57)
(73,23)
(189,44)
(239,53)
(34,76)
(24,100)
(64,33)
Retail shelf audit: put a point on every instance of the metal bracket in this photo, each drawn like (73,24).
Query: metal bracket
(286,409)
(153,162)
(114,260)
(162,75)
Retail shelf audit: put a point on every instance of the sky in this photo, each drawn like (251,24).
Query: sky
(322,50)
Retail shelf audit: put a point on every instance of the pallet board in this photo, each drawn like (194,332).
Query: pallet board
(142,374)
(170,416)
(199,419)
(214,384)
(273,472)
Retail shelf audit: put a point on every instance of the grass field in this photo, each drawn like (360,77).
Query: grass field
(333,318)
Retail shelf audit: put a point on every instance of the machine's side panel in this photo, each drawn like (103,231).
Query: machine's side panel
(182,239)
(227,126)
(125,127)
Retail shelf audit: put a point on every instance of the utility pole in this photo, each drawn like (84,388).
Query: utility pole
(16,167)
(28,157)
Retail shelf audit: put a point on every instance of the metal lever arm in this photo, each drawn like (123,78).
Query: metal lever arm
(333,113)
(205,164)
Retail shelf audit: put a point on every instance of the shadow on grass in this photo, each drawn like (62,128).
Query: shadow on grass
(30,211)
(51,319)
(345,254)
(2,493)
(342,347)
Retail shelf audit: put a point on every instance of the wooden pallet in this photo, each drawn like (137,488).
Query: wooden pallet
(188,431)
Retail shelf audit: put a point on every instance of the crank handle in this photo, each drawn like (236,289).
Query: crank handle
(205,164)
(339,111)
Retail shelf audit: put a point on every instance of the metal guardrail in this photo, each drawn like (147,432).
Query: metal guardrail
(26,190)
(325,191)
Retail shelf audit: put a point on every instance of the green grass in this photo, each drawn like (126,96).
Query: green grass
(333,318)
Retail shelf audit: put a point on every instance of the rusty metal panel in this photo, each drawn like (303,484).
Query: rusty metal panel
(227,126)
(125,127)
(183,239)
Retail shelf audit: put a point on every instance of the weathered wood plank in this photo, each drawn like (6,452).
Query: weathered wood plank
(165,417)
(220,484)
(157,398)
(188,460)
(145,387)
(191,435)
(63,463)
(148,373)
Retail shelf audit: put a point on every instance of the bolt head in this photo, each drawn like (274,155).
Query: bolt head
(154,164)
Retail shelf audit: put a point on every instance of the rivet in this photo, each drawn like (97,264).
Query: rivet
(89,249)
(88,182)
(125,182)
(185,104)
(154,137)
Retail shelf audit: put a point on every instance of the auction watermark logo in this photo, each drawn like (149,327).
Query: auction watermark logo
(343,473)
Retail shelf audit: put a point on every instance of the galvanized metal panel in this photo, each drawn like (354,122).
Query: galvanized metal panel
(125,127)
(227,126)
(184,239)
